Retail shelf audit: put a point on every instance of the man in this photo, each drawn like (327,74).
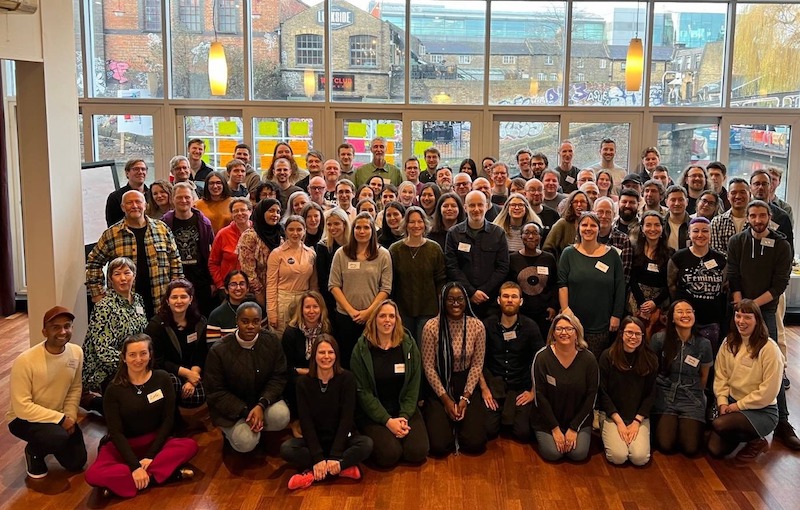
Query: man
(45,389)
(604,209)
(584,176)
(717,173)
(346,152)
(661,173)
(539,164)
(236,172)
(332,171)
(634,182)
(499,173)
(149,243)
(345,191)
(432,157)
(136,173)
(534,192)
(444,179)
(411,167)
(693,181)
(760,184)
(243,153)
(653,195)
(193,237)
(627,216)
(200,170)
(676,228)
(506,387)
(462,184)
(524,164)
(314,161)
(245,375)
(316,191)
(734,220)
(759,267)
(552,197)
(567,172)
(776,175)
(482,184)
(476,254)
(591,190)
(282,171)
(608,151)
(378,166)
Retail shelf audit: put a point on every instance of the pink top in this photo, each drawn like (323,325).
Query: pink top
(291,269)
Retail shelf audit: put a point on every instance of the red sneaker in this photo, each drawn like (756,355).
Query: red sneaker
(301,480)
(352,472)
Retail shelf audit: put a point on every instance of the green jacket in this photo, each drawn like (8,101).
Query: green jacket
(370,404)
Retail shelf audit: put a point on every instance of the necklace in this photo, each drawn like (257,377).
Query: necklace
(323,387)
(414,251)
(139,388)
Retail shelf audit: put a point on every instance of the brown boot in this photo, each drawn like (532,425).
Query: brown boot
(784,433)
(752,450)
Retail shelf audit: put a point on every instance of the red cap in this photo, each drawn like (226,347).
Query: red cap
(55,312)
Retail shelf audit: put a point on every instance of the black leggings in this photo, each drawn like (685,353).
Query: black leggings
(730,430)
(674,433)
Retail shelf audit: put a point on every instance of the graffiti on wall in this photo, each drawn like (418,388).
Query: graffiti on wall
(589,94)
(116,71)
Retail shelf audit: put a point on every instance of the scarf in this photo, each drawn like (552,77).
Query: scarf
(311,335)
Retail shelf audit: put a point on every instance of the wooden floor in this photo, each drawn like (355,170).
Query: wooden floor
(509,475)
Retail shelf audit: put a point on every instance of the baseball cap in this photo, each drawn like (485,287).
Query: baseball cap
(632,178)
(55,312)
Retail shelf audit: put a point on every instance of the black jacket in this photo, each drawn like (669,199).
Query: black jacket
(170,353)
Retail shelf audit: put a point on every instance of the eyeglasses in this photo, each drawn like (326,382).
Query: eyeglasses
(455,301)
(633,334)
(708,202)
(516,206)
(564,329)
(237,284)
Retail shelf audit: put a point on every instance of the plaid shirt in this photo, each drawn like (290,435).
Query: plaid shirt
(722,229)
(621,242)
(118,241)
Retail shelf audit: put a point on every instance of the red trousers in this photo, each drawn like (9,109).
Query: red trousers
(111,472)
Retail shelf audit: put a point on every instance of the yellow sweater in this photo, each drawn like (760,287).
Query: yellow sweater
(44,386)
(218,213)
(753,383)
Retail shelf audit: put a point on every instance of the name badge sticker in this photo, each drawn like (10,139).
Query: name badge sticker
(710,264)
(691,361)
(191,338)
(72,363)
(354,265)
(140,310)
(399,368)
(543,270)
(510,335)
(773,225)
(601,267)
(653,268)
(155,396)
(551,380)
(464,247)
(769,243)
(570,179)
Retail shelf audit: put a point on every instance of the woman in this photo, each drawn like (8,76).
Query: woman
(223,257)
(628,371)
(159,201)
(648,277)
(257,242)
(536,273)
(337,234)
(139,408)
(391,217)
(364,192)
(377,184)
(117,316)
(367,206)
(419,272)
(605,185)
(565,229)
(222,320)
(389,194)
(179,340)
(748,375)
(515,213)
(685,359)
(449,211)
(591,284)
(468,167)
(309,320)
(565,380)
(429,197)
(290,272)
(517,185)
(295,204)
(697,274)
(360,278)
(387,367)
(312,214)
(263,191)
(651,158)
(326,399)
(453,348)
(215,204)
(407,193)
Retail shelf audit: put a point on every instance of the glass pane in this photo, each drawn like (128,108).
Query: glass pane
(692,73)
(10,75)
(765,47)
(220,134)
(536,136)
(586,136)
(448,54)
(125,47)
(76,27)
(288,55)
(757,146)
(359,132)
(124,137)
(527,53)
(195,24)
(681,144)
(80,137)
(451,137)
(269,131)
(367,52)
(597,70)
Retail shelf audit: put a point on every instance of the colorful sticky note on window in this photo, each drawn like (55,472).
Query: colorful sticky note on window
(299,147)
(224,159)
(227,127)
(298,128)
(389,147)
(226,146)
(390,159)
(267,147)
(358,145)
(357,129)
(268,128)
(266,161)
(386,130)
(420,146)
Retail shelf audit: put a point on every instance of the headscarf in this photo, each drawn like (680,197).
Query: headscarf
(444,354)
(270,235)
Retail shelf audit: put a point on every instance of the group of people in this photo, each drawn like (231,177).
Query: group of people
(391,313)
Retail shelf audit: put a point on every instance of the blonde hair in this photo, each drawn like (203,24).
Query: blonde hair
(339,213)
(580,343)
(371,327)
(296,311)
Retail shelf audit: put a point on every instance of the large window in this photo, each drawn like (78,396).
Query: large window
(538,136)
(363,51)
(452,138)
(681,143)
(309,50)
(220,134)
(269,131)
(152,15)
(190,15)
(228,19)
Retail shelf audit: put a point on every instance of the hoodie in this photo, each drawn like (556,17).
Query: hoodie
(757,266)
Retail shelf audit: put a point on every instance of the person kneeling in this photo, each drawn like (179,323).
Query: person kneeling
(326,403)
(245,377)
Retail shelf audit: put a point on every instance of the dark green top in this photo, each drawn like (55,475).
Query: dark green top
(419,275)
